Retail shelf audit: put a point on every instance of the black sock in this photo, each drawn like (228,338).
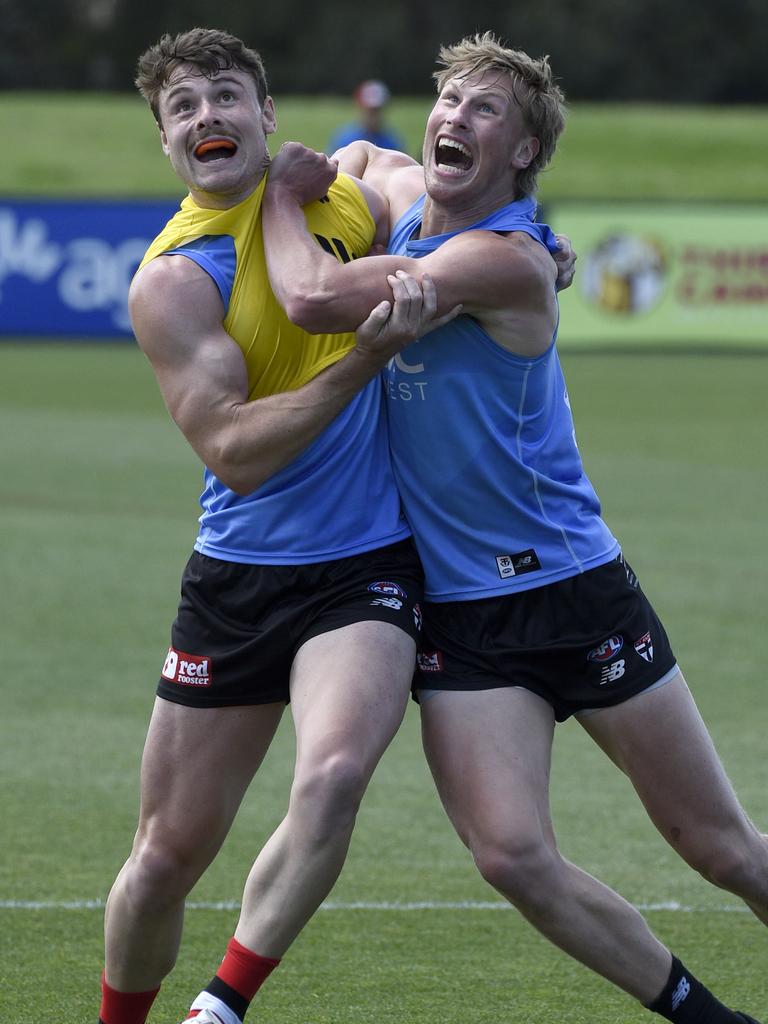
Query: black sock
(684,1000)
(228,996)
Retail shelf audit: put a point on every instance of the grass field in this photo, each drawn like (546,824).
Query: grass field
(97,145)
(97,517)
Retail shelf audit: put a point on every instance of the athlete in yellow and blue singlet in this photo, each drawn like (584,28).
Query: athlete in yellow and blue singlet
(297,516)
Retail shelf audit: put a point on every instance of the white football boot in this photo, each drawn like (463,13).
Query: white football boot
(204,1017)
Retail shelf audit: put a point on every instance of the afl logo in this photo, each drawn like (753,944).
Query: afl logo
(390,589)
(607,650)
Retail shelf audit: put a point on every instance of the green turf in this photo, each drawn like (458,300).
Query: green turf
(100,145)
(97,518)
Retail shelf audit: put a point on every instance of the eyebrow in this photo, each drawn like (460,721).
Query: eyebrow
(217,80)
(492,92)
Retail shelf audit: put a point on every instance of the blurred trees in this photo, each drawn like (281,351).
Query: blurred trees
(692,51)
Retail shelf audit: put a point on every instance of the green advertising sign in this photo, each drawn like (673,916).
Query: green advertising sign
(665,274)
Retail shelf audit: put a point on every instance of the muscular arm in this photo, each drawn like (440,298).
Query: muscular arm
(395,176)
(177,312)
(506,283)
(399,179)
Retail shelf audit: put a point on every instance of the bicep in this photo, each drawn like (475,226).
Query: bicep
(486,271)
(177,316)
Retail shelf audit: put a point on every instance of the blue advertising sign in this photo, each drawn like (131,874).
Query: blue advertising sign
(65,267)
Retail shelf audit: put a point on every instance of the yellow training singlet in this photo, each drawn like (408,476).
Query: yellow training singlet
(229,244)
(338,497)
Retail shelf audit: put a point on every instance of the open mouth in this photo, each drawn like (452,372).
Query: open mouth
(452,155)
(215,149)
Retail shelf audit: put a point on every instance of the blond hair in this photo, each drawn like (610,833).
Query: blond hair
(540,98)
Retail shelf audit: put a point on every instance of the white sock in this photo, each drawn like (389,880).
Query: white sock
(205,1001)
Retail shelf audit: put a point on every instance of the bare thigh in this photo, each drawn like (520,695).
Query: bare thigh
(489,752)
(660,741)
(349,691)
(196,767)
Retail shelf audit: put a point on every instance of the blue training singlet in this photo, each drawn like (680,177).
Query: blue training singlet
(484,449)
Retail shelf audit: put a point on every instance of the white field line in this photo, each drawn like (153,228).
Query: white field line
(98,904)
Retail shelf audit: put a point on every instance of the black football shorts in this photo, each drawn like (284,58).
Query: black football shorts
(583,643)
(239,626)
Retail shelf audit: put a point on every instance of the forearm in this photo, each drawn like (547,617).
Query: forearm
(268,433)
(318,292)
(256,439)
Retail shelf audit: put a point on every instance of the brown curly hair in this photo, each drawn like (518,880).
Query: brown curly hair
(210,50)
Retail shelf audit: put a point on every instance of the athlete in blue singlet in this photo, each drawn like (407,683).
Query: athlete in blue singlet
(532,614)
(303,584)
(484,447)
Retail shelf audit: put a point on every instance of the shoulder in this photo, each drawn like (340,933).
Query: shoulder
(389,168)
(169,292)
(172,271)
(399,178)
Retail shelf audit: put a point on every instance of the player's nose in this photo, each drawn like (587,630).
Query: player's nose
(207,114)
(458,115)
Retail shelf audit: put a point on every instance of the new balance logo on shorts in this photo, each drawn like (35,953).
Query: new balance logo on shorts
(187,669)
(389,602)
(610,673)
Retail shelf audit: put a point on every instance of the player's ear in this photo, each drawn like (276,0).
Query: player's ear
(164,140)
(268,116)
(526,152)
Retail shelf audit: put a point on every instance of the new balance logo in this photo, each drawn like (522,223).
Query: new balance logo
(389,602)
(518,563)
(612,672)
(681,992)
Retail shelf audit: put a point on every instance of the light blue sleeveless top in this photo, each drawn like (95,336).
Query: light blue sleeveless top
(484,450)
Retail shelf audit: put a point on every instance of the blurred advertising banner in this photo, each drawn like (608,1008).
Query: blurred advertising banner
(65,267)
(665,273)
(648,273)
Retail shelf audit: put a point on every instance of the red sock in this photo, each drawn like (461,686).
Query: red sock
(243,970)
(124,1007)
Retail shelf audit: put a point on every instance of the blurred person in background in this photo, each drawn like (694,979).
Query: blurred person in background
(372,98)
(532,614)
(303,585)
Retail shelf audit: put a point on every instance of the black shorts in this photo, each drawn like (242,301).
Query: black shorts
(239,626)
(587,642)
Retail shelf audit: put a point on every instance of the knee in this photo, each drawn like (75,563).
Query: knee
(331,789)
(522,869)
(735,866)
(160,871)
